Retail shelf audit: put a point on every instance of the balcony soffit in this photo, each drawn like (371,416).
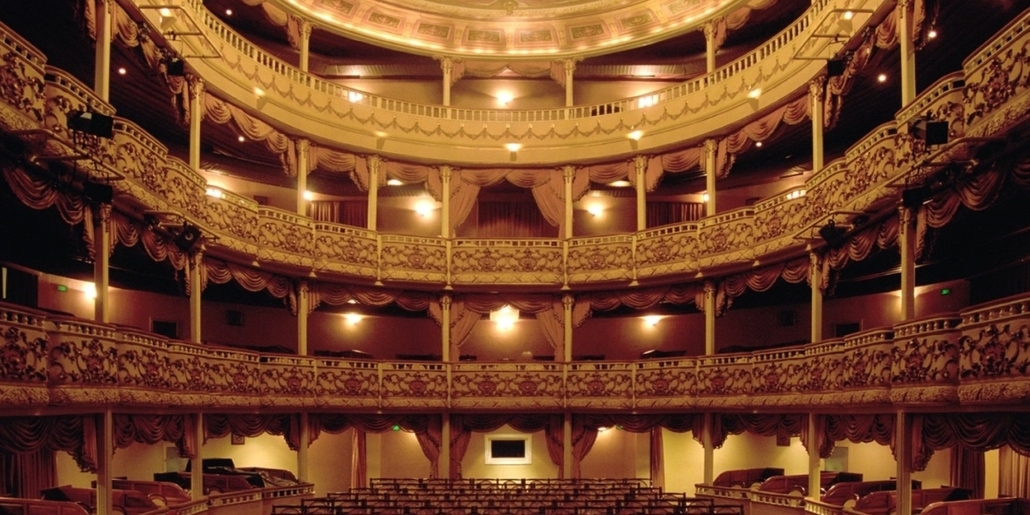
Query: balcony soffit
(522,30)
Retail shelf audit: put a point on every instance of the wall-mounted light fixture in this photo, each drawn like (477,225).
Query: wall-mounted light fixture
(505,317)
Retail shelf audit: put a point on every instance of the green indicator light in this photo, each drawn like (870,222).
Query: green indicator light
(396,428)
(62,287)
(945,291)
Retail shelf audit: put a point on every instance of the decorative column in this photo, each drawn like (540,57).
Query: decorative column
(568,174)
(196,116)
(197,472)
(710,46)
(566,441)
(815,279)
(102,61)
(194,262)
(711,147)
(906,24)
(445,201)
(706,442)
(815,94)
(445,330)
(640,165)
(444,468)
(303,291)
(373,190)
(569,67)
(105,451)
(567,301)
(102,262)
(305,45)
(447,65)
(907,239)
(302,317)
(709,318)
(814,463)
(302,451)
(303,166)
(903,454)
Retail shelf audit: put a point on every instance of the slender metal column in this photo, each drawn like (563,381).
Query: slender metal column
(711,147)
(102,66)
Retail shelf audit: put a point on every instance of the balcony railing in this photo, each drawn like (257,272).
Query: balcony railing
(979,355)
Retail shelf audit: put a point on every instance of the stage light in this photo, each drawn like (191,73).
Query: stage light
(88,122)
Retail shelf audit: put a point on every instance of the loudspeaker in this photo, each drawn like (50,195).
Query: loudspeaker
(175,67)
(98,192)
(92,123)
(931,132)
(188,238)
(912,198)
(835,67)
(832,235)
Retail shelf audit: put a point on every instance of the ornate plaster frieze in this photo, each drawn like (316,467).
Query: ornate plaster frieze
(509,30)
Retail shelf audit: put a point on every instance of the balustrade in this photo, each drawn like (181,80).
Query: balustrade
(979,356)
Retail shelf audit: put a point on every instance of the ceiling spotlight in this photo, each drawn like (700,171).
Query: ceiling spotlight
(394,182)
(932,34)
(513,147)
(758,144)
(228,12)
(881,77)
(241,139)
(122,71)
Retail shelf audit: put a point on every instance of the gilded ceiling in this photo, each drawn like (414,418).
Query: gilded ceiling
(510,29)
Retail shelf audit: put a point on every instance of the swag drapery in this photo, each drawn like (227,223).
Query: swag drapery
(585,428)
(74,434)
(462,427)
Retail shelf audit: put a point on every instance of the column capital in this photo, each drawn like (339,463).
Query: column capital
(197,257)
(640,164)
(567,301)
(305,28)
(102,214)
(196,85)
(709,29)
(446,172)
(445,301)
(303,144)
(108,5)
(906,219)
(709,287)
(711,145)
(303,287)
(569,64)
(446,62)
(815,260)
(568,173)
(374,162)
(816,89)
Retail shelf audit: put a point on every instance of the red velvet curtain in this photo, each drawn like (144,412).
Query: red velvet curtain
(149,429)
(359,460)
(858,429)
(1015,473)
(967,470)
(252,425)
(762,424)
(462,427)
(76,435)
(513,220)
(353,213)
(427,429)
(26,474)
(976,431)
(665,213)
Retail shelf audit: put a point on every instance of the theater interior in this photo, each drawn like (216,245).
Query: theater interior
(766,257)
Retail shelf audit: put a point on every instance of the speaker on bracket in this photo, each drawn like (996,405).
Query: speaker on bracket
(88,122)
(930,131)
(98,192)
(833,236)
(835,67)
(188,238)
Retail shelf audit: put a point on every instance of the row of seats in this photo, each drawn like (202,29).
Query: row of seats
(507,497)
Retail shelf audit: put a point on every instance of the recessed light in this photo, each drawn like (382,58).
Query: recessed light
(241,139)
(758,144)
(882,77)
(932,34)
(228,12)
(122,71)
